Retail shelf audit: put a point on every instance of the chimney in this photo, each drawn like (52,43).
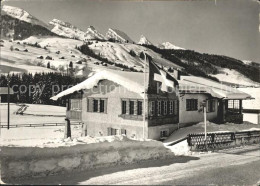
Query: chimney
(177,74)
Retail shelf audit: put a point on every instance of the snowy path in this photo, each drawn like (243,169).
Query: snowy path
(233,166)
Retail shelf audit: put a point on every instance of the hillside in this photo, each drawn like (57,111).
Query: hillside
(225,69)
(60,44)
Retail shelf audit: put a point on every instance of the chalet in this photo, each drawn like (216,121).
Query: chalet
(115,102)
(112,102)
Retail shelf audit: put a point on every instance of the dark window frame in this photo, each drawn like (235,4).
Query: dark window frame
(97,105)
(191,104)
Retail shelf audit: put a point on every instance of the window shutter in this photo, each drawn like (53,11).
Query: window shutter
(80,104)
(109,131)
(208,105)
(135,107)
(187,104)
(90,104)
(105,105)
(127,107)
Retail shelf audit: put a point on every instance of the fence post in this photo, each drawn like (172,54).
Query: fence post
(189,140)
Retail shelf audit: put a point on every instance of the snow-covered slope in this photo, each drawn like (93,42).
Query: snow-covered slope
(70,31)
(120,53)
(144,41)
(118,35)
(66,29)
(92,33)
(168,45)
(233,76)
(21,14)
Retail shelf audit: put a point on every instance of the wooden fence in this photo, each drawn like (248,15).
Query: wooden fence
(39,125)
(221,140)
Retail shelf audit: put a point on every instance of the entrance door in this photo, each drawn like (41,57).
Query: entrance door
(221,111)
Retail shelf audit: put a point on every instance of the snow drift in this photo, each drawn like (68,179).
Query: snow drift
(18,162)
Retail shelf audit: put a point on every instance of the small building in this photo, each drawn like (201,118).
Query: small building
(4,93)
(112,103)
(223,103)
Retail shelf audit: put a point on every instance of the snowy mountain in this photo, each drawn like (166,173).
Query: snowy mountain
(92,33)
(66,29)
(144,41)
(119,36)
(168,45)
(22,15)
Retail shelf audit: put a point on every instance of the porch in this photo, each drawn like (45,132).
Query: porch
(230,110)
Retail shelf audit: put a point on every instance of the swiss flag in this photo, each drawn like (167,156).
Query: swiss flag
(157,74)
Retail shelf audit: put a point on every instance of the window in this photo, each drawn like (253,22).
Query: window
(97,105)
(102,106)
(75,104)
(170,107)
(165,108)
(163,133)
(123,131)
(233,104)
(113,131)
(159,107)
(131,107)
(211,105)
(152,108)
(139,107)
(123,107)
(191,104)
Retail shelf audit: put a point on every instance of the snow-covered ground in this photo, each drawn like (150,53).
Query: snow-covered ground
(211,127)
(37,114)
(53,114)
(39,136)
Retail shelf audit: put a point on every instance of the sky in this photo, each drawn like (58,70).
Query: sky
(225,27)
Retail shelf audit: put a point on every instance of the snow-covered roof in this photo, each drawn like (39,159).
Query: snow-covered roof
(132,81)
(193,84)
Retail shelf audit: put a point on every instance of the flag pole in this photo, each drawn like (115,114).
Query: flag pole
(144,95)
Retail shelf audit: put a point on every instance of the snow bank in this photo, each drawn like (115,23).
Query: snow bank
(17,162)
(179,149)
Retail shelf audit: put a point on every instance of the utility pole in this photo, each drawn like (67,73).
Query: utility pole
(8,102)
(205,122)
(67,131)
(144,95)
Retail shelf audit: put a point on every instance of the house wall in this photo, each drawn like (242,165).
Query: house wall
(197,115)
(154,132)
(97,124)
